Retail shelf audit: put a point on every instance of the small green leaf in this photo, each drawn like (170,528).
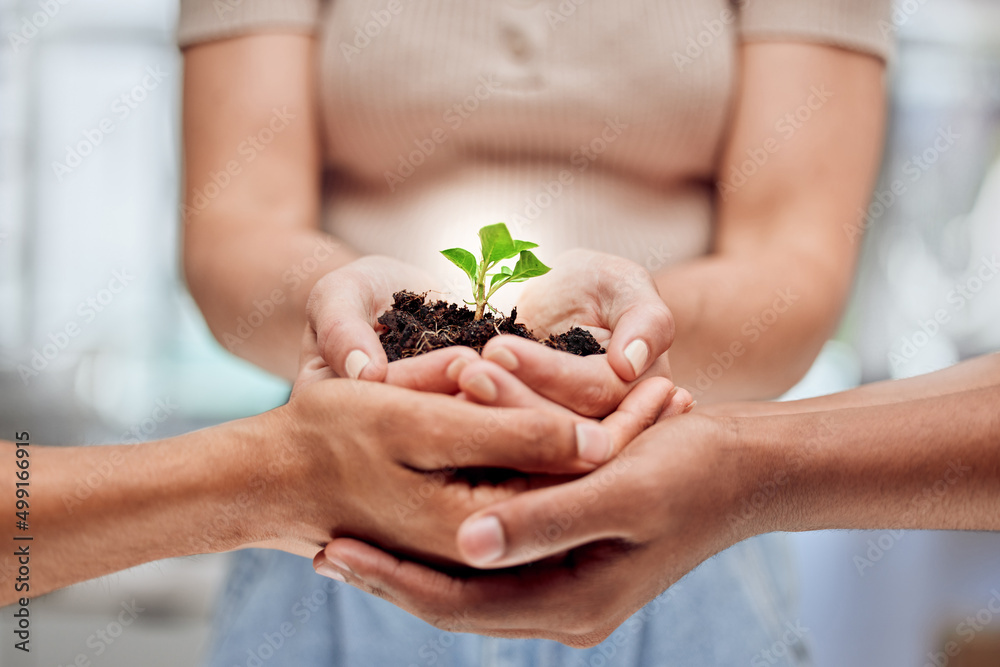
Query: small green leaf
(464,260)
(524,245)
(497,277)
(504,272)
(497,243)
(528,266)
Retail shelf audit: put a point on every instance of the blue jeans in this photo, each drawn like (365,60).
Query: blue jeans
(735,609)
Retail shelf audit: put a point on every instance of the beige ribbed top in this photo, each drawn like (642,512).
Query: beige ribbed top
(593,123)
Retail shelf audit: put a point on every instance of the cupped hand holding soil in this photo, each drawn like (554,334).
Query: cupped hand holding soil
(343,310)
(614,299)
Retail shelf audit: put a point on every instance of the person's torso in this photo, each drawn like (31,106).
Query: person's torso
(579,123)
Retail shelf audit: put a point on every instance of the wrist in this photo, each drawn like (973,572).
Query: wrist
(284,505)
(761,469)
(245,458)
(785,459)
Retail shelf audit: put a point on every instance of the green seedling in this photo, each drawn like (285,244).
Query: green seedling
(496,246)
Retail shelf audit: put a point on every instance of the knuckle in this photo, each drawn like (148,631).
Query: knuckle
(389,419)
(553,374)
(595,399)
(432,436)
(664,320)
(541,438)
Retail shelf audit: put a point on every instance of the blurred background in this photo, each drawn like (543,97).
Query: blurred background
(89,185)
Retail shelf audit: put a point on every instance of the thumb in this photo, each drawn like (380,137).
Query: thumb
(642,327)
(343,313)
(541,523)
(537,524)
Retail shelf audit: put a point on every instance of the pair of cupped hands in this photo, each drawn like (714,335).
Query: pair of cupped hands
(614,491)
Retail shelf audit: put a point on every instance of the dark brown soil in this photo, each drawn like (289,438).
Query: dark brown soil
(414,326)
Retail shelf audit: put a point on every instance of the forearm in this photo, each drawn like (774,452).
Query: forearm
(785,236)
(95,510)
(252,284)
(929,463)
(749,329)
(252,170)
(975,373)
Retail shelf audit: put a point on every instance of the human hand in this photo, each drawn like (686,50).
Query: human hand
(613,298)
(382,460)
(601,546)
(343,310)
(487,383)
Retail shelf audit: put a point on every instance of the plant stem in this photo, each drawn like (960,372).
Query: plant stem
(480,291)
(480,301)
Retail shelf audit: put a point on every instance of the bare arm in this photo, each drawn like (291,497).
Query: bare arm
(250,122)
(705,483)
(977,373)
(782,264)
(925,463)
(95,510)
(341,457)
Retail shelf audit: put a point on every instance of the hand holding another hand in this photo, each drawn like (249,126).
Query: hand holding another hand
(384,461)
(601,546)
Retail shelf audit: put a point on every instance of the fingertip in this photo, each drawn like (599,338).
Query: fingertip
(355,364)
(501,355)
(326,570)
(481,540)
(593,443)
(455,368)
(640,335)
(681,402)
(331,568)
(476,379)
(481,387)
(515,348)
(351,558)
(637,355)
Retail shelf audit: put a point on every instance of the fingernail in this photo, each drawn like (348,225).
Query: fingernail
(690,407)
(482,387)
(344,567)
(329,572)
(502,357)
(355,363)
(637,352)
(592,443)
(483,540)
(455,368)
